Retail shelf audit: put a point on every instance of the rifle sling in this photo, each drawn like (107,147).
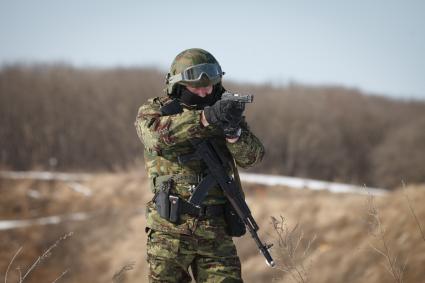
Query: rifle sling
(202,189)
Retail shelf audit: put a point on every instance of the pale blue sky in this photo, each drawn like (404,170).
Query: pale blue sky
(377,46)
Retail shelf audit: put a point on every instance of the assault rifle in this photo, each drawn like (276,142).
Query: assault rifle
(217,164)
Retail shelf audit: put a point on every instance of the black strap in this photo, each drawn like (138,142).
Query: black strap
(202,189)
(213,210)
(188,208)
(202,211)
(171,108)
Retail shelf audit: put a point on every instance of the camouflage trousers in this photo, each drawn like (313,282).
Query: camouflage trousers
(211,260)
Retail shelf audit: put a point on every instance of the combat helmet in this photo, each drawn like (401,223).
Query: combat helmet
(193,67)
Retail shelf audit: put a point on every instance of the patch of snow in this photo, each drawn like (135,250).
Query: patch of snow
(44,175)
(301,183)
(77,187)
(34,194)
(13,224)
(69,178)
(268,180)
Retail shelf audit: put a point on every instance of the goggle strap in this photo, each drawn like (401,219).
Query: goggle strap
(175,79)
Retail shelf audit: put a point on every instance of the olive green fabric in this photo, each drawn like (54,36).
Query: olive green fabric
(210,259)
(167,137)
(164,139)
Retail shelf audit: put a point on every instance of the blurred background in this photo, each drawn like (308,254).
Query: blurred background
(339,97)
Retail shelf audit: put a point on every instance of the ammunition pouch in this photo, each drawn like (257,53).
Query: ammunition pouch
(167,205)
(235,227)
(162,204)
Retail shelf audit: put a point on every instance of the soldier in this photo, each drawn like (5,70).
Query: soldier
(189,236)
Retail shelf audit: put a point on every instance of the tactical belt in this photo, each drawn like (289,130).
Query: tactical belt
(203,211)
(171,206)
(179,178)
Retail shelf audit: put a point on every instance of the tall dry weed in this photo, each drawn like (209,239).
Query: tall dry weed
(395,266)
(22,276)
(293,250)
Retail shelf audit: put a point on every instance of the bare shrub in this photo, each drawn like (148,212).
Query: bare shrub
(61,117)
(82,119)
(381,246)
(413,212)
(119,276)
(327,133)
(294,249)
(46,254)
(401,156)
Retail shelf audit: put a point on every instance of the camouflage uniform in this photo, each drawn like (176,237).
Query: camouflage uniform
(198,242)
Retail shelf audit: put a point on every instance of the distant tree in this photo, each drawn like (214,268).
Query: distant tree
(401,157)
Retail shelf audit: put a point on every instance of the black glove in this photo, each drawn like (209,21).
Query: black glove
(232,131)
(224,113)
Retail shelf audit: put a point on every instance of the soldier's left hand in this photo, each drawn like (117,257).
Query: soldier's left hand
(224,111)
(231,131)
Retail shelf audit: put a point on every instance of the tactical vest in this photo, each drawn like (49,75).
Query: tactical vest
(162,164)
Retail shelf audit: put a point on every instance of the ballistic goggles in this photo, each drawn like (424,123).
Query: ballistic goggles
(194,74)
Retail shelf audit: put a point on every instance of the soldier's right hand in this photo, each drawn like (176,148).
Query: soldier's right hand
(224,112)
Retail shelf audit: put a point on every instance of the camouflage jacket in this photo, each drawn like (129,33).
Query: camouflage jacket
(167,137)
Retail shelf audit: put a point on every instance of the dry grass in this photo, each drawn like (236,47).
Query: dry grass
(118,276)
(382,247)
(114,237)
(108,240)
(43,257)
